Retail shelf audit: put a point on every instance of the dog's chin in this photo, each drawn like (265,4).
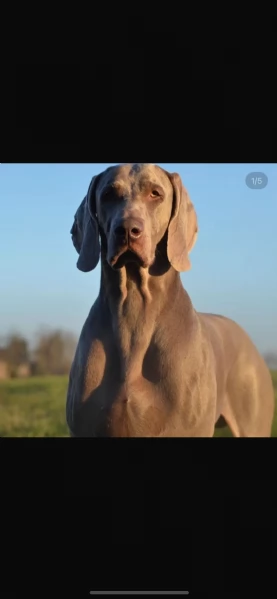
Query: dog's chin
(128,257)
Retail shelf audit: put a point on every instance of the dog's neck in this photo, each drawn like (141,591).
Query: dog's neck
(133,287)
(135,298)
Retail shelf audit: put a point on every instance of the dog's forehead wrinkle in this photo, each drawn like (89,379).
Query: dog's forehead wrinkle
(153,175)
(132,175)
(115,178)
(137,167)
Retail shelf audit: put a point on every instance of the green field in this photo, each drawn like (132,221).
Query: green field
(35,407)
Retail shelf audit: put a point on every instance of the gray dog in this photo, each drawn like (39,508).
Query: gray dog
(147,364)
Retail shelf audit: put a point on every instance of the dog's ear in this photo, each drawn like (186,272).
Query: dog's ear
(85,231)
(183,226)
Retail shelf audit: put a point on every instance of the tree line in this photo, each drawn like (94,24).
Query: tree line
(52,353)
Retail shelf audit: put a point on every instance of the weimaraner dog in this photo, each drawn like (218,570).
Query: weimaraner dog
(147,364)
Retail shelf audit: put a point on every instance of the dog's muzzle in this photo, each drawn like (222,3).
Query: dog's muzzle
(127,243)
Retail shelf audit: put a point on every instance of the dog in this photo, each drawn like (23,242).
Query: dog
(147,363)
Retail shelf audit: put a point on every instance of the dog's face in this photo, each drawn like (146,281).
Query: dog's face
(134,206)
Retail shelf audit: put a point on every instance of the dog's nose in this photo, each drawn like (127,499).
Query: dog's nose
(130,228)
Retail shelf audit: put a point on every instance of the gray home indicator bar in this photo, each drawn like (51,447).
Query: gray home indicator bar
(139,592)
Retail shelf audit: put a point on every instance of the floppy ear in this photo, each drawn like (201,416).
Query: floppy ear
(85,232)
(183,226)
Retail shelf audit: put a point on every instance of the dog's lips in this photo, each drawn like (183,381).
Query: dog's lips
(127,256)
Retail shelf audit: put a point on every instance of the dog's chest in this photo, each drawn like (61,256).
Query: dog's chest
(132,395)
(149,393)
(153,399)
(139,409)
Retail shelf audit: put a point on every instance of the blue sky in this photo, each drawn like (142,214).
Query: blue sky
(233,261)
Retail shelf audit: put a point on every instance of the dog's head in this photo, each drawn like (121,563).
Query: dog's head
(132,208)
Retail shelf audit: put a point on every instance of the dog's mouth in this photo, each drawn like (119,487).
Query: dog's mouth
(127,257)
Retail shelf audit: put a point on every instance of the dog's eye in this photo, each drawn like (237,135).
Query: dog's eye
(155,194)
(107,192)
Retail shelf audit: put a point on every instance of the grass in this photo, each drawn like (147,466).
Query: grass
(35,407)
